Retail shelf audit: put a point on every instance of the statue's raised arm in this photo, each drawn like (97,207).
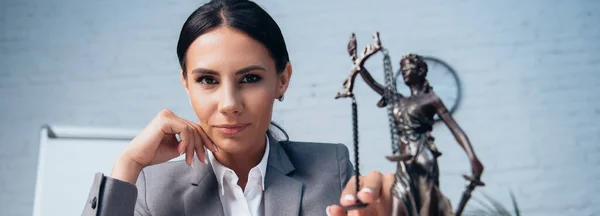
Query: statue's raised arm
(358,66)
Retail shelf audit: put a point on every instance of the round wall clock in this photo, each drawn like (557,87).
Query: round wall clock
(443,79)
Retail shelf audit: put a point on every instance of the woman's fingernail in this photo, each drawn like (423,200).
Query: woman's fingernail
(349,197)
(367,190)
(192,163)
(327,211)
(216,148)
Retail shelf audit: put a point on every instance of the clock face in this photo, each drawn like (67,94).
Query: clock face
(443,79)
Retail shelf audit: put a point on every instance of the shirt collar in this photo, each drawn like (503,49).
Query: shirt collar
(220,169)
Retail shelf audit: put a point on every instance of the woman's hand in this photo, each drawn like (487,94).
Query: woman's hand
(157,143)
(375,191)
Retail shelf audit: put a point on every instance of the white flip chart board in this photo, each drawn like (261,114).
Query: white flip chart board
(68,159)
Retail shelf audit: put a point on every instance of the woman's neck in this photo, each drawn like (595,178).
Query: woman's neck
(242,162)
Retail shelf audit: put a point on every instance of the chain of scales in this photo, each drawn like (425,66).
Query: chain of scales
(391,97)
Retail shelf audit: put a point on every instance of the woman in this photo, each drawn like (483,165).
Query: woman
(234,65)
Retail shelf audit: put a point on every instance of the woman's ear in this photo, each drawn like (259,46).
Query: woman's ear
(284,80)
(184,82)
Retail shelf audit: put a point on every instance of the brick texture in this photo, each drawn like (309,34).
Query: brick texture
(529,69)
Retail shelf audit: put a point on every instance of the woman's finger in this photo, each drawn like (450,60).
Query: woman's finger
(335,210)
(208,143)
(189,155)
(187,139)
(186,131)
(184,139)
(386,196)
(348,195)
(371,187)
(170,124)
(199,147)
(173,124)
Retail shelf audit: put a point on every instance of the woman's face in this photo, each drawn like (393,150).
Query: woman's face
(232,84)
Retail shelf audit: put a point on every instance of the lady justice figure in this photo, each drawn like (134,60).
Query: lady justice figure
(416,188)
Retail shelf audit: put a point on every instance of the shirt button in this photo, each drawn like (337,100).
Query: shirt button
(94,202)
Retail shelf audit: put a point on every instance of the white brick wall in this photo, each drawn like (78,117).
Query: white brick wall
(529,68)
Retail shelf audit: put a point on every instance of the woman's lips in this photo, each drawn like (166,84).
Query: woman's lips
(231,129)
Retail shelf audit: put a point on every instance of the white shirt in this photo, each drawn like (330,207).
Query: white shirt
(236,202)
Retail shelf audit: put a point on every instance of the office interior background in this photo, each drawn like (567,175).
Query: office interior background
(529,73)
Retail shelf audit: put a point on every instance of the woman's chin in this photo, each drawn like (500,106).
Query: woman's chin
(231,143)
(241,141)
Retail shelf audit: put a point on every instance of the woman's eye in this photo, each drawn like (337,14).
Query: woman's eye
(206,80)
(250,78)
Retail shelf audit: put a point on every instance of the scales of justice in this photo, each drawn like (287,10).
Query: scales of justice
(416,189)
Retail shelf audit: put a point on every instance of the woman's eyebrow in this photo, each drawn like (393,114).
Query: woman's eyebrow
(238,72)
(249,68)
(205,71)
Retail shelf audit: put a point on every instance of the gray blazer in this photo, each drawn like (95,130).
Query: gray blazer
(302,178)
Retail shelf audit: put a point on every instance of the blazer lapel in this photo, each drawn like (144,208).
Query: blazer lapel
(203,198)
(283,194)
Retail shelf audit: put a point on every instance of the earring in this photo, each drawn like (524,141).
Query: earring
(280,98)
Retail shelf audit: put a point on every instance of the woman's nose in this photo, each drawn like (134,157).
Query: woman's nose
(230,102)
